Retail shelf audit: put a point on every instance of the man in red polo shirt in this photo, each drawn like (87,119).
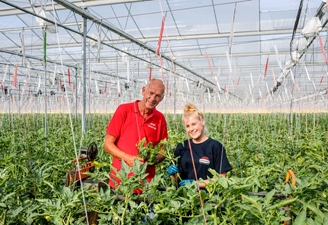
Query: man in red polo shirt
(131,123)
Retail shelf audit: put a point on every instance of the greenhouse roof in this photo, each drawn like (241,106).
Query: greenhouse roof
(243,51)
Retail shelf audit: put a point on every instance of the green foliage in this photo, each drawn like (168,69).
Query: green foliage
(147,151)
(34,159)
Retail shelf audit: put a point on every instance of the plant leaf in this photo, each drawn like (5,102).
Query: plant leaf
(268,197)
(301,218)
(254,202)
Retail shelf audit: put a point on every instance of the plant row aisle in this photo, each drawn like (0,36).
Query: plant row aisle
(37,151)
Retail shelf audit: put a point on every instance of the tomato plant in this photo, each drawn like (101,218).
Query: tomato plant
(34,159)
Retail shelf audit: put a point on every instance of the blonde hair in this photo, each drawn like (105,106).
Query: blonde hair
(190,109)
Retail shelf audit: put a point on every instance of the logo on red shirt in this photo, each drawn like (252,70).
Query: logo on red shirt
(152,125)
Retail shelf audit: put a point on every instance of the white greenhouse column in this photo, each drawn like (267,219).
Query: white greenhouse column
(19,93)
(76,92)
(45,80)
(174,98)
(84,75)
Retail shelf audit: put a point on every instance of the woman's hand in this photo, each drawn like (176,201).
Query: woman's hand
(184,182)
(173,169)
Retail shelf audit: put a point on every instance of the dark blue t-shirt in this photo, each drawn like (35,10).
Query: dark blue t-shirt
(209,154)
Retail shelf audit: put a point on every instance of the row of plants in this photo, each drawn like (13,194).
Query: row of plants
(37,151)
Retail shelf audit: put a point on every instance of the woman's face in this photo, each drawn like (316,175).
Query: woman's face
(194,127)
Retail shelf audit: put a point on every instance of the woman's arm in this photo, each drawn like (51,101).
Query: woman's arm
(202,184)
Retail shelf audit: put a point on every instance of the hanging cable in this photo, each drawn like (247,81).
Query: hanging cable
(71,122)
(295,28)
(196,177)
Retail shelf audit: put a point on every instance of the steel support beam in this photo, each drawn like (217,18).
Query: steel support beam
(82,4)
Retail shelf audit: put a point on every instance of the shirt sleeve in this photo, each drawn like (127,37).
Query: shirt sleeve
(164,134)
(177,150)
(221,163)
(116,123)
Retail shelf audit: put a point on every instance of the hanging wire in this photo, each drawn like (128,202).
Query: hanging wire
(196,177)
(295,28)
(70,120)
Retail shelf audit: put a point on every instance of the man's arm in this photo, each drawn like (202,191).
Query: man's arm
(113,150)
(159,158)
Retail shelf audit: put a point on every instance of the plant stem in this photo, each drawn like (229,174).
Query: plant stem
(214,211)
(126,201)
(68,218)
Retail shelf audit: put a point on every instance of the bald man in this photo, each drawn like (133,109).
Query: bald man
(131,123)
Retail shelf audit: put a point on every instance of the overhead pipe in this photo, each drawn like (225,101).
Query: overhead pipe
(121,33)
(96,20)
(86,15)
(318,14)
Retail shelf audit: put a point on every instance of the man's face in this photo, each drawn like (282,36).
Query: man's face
(153,94)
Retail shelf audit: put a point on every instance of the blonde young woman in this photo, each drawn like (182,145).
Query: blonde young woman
(206,152)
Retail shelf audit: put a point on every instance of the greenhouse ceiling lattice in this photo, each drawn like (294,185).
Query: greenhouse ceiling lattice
(241,52)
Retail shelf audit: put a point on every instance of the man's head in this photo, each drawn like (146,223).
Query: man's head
(153,93)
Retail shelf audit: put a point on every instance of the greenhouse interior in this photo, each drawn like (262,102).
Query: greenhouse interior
(256,69)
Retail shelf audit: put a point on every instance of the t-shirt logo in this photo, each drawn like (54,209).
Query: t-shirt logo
(204,160)
(152,125)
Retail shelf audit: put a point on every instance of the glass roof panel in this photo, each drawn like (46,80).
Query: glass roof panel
(195,25)
(268,5)
(277,19)
(10,22)
(194,32)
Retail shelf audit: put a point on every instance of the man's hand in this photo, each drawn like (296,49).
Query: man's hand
(129,159)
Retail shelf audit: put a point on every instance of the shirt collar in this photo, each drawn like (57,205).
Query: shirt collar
(136,110)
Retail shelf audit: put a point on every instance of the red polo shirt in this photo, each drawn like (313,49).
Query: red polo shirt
(129,126)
